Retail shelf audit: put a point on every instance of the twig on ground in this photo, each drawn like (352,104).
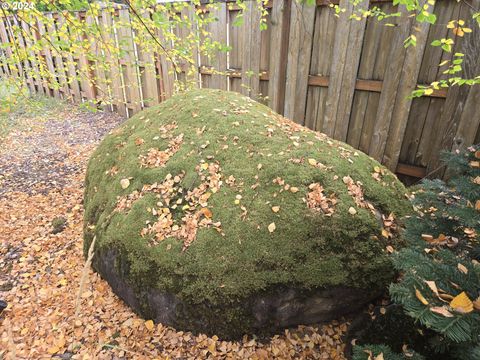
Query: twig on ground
(84,277)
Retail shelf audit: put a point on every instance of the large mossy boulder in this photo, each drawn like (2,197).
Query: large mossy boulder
(214,214)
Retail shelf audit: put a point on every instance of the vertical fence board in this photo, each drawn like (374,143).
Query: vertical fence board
(59,65)
(236,35)
(13,69)
(28,72)
(280,27)
(84,71)
(165,66)
(219,33)
(49,60)
(130,75)
(408,81)
(389,89)
(111,58)
(454,105)
(343,75)
(251,51)
(148,74)
(299,56)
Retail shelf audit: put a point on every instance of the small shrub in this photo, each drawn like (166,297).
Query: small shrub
(58,224)
(440,281)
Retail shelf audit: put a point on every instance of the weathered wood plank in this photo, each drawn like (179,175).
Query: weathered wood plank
(409,76)
(457,97)
(343,74)
(280,27)
(191,30)
(70,67)
(17,34)
(57,54)
(165,66)
(148,72)
(389,94)
(53,84)
(302,21)
(126,43)
(83,67)
(469,121)
(219,33)
(14,69)
(111,58)
(251,51)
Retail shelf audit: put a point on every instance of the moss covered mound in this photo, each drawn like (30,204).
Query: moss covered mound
(212,213)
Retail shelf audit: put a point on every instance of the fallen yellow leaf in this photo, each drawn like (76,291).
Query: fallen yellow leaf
(462,303)
(149,325)
(420,297)
(275,209)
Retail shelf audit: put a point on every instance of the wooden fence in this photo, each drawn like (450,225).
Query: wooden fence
(348,79)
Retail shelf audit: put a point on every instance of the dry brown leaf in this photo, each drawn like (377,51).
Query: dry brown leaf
(441,310)
(272,227)
(124,183)
(432,286)
(476,304)
(462,268)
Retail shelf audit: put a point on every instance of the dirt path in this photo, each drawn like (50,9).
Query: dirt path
(41,178)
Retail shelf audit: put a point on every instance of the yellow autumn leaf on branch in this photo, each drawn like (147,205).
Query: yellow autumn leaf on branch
(420,297)
(462,303)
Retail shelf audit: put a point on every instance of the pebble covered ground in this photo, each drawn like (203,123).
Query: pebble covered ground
(42,167)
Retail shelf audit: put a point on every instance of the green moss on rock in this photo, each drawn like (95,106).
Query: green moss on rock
(261,161)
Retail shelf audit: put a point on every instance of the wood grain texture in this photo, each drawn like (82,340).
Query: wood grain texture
(302,21)
(280,27)
(408,82)
(130,73)
(219,32)
(111,58)
(343,74)
(458,101)
(251,51)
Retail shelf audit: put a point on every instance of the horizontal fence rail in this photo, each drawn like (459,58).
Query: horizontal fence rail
(349,79)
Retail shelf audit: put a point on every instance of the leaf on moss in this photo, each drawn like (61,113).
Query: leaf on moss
(272,227)
(124,183)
